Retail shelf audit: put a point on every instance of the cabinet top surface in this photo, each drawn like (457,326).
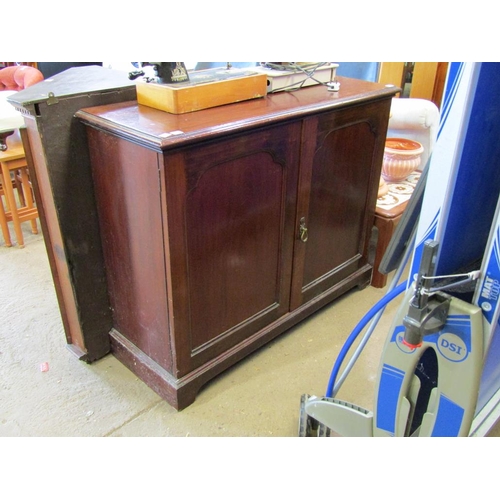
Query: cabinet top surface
(162,130)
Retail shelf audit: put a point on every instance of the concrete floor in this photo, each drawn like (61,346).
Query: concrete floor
(259,397)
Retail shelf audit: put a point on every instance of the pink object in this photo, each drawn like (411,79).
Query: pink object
(44,367)
(401,158)
(19,77)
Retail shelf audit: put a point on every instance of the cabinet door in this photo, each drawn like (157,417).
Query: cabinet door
(341,161)
(230,207)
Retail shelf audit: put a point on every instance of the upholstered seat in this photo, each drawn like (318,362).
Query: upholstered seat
(19,77)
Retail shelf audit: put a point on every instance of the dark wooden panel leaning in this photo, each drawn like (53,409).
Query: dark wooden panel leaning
(65,197)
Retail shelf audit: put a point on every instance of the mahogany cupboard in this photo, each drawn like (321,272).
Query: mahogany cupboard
(224,227)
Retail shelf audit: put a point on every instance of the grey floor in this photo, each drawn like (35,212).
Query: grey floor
(258,397)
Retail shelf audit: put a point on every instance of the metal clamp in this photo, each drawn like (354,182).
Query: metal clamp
(426,314)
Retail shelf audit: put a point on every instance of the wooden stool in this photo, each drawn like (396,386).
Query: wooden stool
(13,160)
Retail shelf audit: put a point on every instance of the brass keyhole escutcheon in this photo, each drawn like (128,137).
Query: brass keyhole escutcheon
(303,230)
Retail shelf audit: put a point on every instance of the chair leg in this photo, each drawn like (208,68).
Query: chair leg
(28,196)
(3,223)
(3,140)
(11,202)
(18,180)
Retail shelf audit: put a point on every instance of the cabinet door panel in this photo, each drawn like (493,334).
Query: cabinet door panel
(338,193)
(231,238)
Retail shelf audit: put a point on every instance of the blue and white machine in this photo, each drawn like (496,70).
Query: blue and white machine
(440,369)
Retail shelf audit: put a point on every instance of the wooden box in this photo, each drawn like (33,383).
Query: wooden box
(206,89)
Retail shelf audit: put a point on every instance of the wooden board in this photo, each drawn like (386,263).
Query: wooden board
(192,96)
